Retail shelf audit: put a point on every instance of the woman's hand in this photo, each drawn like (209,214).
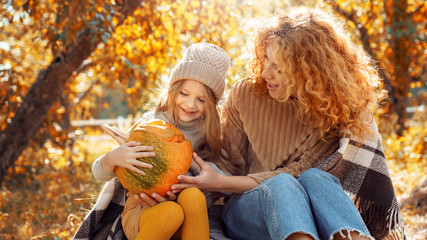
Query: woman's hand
(154,198)
(126,156)
(207,180)
(211,181)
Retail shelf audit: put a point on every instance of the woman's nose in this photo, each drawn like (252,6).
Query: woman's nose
(266,73)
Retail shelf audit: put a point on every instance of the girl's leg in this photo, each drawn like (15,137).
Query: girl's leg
(161,221)
(276,209)
(336,215)
(196,223)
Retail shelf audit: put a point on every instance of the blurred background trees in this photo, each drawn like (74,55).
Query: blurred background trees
(127,56)
(128,63)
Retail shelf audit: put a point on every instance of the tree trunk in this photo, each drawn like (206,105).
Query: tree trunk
(46,91)
(399,26)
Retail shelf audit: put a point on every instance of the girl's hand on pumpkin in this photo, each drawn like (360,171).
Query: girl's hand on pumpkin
(146,200)
(206,181)
(154,198)
(126,156)
(171,195)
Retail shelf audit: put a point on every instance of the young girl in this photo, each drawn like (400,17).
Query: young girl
(196,85)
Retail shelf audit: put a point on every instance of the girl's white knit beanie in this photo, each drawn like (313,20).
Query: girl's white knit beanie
(206,63)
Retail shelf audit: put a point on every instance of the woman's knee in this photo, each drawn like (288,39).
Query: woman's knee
(281,181)
(314,177)
(282,186)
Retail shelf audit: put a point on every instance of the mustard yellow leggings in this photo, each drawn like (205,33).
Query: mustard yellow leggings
(185,219)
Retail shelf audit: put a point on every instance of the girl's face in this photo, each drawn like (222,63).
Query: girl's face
(277,84)
(191,101)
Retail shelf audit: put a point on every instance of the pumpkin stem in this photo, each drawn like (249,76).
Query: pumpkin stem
(114,133)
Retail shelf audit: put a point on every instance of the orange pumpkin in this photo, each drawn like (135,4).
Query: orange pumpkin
(173,157)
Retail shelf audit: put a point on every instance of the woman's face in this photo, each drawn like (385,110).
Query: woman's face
(191,101)
(277,84)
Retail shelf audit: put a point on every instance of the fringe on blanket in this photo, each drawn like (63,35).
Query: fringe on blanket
(373,215)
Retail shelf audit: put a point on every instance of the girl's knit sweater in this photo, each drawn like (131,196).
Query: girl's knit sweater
(267,138)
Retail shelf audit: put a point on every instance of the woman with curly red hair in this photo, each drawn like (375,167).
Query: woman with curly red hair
(304,152)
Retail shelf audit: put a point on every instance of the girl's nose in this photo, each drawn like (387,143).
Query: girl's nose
(191,103)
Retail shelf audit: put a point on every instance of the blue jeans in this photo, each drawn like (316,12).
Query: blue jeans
(314,204)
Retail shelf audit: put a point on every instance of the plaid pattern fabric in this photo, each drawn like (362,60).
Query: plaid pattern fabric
(104,220)
(362,169)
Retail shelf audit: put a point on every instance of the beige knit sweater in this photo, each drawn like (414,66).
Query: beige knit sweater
(266,138)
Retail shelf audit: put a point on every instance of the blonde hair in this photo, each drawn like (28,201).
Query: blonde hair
(208,147)
(333,78)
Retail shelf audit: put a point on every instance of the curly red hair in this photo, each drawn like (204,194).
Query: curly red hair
(333,78)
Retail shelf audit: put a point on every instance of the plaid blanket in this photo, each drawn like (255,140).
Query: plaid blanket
(104,220)
(361,168)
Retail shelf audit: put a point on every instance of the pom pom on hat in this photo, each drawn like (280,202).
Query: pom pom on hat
(206,63)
